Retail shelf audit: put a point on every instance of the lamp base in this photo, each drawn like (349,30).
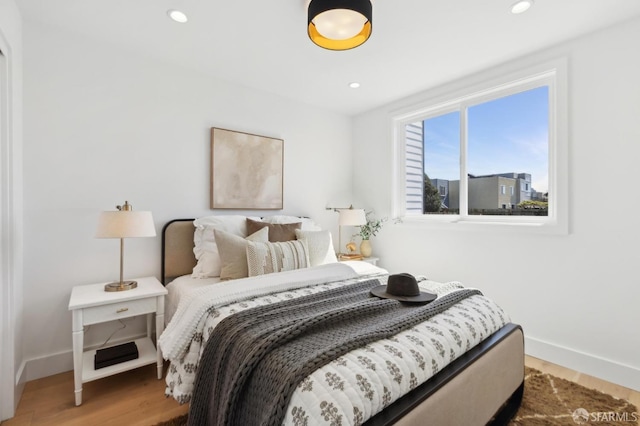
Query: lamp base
(122,286)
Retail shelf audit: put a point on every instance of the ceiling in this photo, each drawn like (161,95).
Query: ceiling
(415,45)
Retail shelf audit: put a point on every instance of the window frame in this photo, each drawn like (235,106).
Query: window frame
(494,84)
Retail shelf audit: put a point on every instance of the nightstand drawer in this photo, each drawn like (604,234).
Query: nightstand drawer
(114,311)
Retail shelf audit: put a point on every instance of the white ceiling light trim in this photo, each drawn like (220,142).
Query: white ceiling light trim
(521,6)
(177,16)
(354,85)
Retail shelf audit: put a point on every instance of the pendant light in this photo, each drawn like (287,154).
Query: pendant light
(339,24)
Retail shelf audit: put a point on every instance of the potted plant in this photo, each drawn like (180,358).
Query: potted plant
(368,230)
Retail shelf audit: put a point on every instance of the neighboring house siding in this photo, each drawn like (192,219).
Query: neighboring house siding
(454,194)
(414,167)
(442,185)
(484,193)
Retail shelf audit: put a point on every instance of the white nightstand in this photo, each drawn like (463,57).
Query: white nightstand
(92,305)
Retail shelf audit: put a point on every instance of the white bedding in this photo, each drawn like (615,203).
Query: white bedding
(179,288)
(188,319)
(357,385)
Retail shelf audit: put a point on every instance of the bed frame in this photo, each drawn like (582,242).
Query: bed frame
(484,386)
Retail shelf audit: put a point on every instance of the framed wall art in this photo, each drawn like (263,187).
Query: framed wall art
(246,171)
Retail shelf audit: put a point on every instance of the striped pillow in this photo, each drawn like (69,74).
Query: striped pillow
(265,258)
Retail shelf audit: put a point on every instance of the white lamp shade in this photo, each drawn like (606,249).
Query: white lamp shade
(125,224)
(352,217)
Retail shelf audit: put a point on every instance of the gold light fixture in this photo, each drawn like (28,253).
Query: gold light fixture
(339,24)
(124,223)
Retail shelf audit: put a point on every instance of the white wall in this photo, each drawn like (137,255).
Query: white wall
(576,296)
(10,207)
(103,126)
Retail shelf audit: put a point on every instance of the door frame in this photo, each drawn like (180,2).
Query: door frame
(9,255)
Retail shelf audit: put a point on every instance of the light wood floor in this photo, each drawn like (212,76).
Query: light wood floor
(137,398)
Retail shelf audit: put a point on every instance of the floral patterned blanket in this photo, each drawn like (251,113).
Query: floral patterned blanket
(255,359)
(362,382)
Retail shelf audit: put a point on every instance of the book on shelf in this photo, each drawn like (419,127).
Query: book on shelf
(350,256)
(115,355)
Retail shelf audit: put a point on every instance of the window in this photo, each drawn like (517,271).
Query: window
(478,144)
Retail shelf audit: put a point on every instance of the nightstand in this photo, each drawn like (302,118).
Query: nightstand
(92,305)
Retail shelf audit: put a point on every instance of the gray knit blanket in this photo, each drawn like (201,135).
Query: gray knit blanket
(254,359)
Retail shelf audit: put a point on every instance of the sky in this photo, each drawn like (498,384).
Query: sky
(509,134)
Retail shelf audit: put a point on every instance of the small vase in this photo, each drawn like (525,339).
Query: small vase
(365,248)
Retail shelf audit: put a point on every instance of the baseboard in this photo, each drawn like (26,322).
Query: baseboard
(37,368)
(611,371)
(605,369)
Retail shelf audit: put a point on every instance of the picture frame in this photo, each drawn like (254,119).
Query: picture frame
(247,171)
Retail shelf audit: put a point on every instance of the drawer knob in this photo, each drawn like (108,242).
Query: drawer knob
(122,310)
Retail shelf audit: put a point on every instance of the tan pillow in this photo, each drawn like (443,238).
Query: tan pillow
(266,258)
(233,252)
(277,231)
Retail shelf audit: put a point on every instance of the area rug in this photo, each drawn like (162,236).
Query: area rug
(552,401)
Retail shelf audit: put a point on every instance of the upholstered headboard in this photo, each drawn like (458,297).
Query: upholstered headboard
(177,249)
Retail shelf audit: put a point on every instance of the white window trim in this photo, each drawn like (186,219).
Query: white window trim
(491,84)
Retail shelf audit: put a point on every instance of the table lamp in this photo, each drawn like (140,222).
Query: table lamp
(349,217)
(124,223)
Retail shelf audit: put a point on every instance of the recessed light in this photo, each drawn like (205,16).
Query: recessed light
(354,85)
(521,6)
(177,16)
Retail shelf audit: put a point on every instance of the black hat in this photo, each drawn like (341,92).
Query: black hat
(403,287)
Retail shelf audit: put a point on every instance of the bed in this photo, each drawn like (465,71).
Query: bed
(481,385)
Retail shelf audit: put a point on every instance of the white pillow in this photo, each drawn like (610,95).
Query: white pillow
(266,258)
(208,265)
(320,246)
(227,222)
(307,224)
(205,248)
(233,252)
